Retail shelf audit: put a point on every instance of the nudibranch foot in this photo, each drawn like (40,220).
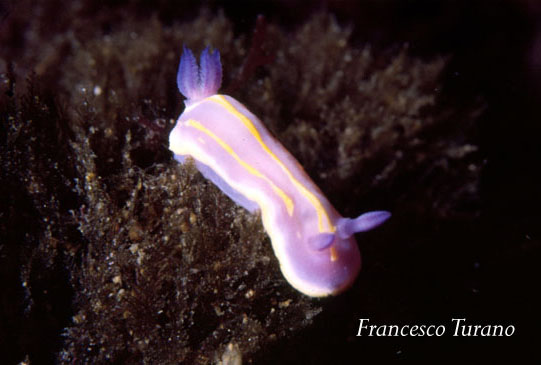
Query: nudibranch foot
(211,175)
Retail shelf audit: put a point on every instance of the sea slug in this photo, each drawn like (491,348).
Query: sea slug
(315,245)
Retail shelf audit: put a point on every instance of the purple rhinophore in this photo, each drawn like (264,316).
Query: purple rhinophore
(321,241)
(346,227)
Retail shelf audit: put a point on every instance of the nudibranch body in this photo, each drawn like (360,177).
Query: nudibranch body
(315,245)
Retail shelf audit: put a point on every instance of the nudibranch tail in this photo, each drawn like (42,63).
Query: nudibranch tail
(199,82)
(346,227)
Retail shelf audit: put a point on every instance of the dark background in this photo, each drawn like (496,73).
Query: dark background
(486,268)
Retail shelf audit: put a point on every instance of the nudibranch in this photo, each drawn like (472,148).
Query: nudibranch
(314,244)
